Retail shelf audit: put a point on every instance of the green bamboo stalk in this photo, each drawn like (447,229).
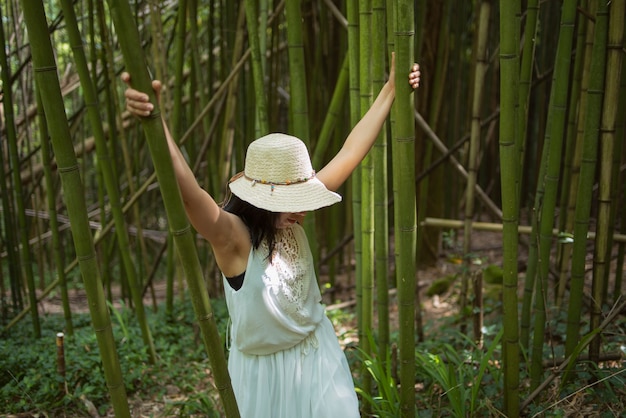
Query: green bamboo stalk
(22,228)
(619,191)
(263,23)
(509,158)
(426,186)
(587,177)
(366,282)
(227,141)
(391,39)
(179,61)
(480,70)
(616,158)
(298,103)
(352,7)
(332,116)
(200,76)
(531,271)
(108,246)
(390,19)
(176,123)
(108,174)
(48,84)
(573,153)
(405,219)
(117,137)
(157,44)
(252,20)
(324,143)
(381,192)
(602,251)
(429,198)
(57,249)
(526,73)
(179,225)
(11,135)
(551,161)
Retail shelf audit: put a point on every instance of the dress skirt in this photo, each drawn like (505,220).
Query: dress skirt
(310,380)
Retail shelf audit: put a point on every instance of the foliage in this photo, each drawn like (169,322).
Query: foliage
(467,378)
(385,403)
(457,379)
(29,381)
(458,375)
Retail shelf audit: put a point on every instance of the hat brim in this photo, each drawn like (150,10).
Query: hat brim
(295,197)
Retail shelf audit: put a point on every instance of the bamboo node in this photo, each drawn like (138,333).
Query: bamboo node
(182,231)
(206,317)
(68,169)
(46,68)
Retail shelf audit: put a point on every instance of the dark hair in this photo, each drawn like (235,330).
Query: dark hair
(260,222)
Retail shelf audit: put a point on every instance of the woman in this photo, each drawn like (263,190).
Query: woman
(285,360)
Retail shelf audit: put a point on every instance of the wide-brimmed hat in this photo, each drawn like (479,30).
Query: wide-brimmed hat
(278,177)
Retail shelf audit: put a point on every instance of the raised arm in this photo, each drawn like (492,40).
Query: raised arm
(225,232)
(364,134)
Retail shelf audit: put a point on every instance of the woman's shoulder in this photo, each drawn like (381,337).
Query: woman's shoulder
(232,255)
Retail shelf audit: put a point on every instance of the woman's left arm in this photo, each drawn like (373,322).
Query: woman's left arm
(364,134)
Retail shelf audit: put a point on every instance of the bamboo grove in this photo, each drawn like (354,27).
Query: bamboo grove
(518,127)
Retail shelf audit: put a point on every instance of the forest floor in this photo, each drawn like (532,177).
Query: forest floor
(436,310)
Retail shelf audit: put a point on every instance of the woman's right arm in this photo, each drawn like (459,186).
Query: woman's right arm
(223,230)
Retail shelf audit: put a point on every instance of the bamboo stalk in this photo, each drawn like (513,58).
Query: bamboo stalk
(179,225)
(587,177)
(108,175)
(54,224)
(496,227)
(405,216)
(61,363)
(526,73)
(354,181)
(48,85)
(381,192)
(571,160)
(547,188)
(613,33)
(22,228)
(252,20)
(509,158)
(365,284)
(5,194)
(298,103)
(472,165)
(176,122)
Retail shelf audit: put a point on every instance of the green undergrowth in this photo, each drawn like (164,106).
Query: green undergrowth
(178,384)
(454,377)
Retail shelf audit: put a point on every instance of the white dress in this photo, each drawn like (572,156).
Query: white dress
(285,360)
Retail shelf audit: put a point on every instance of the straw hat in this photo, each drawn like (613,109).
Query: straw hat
(278,177)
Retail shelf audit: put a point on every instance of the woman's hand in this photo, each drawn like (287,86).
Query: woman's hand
(138,103)
(414,76)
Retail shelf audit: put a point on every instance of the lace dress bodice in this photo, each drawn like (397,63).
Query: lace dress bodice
(278,305)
